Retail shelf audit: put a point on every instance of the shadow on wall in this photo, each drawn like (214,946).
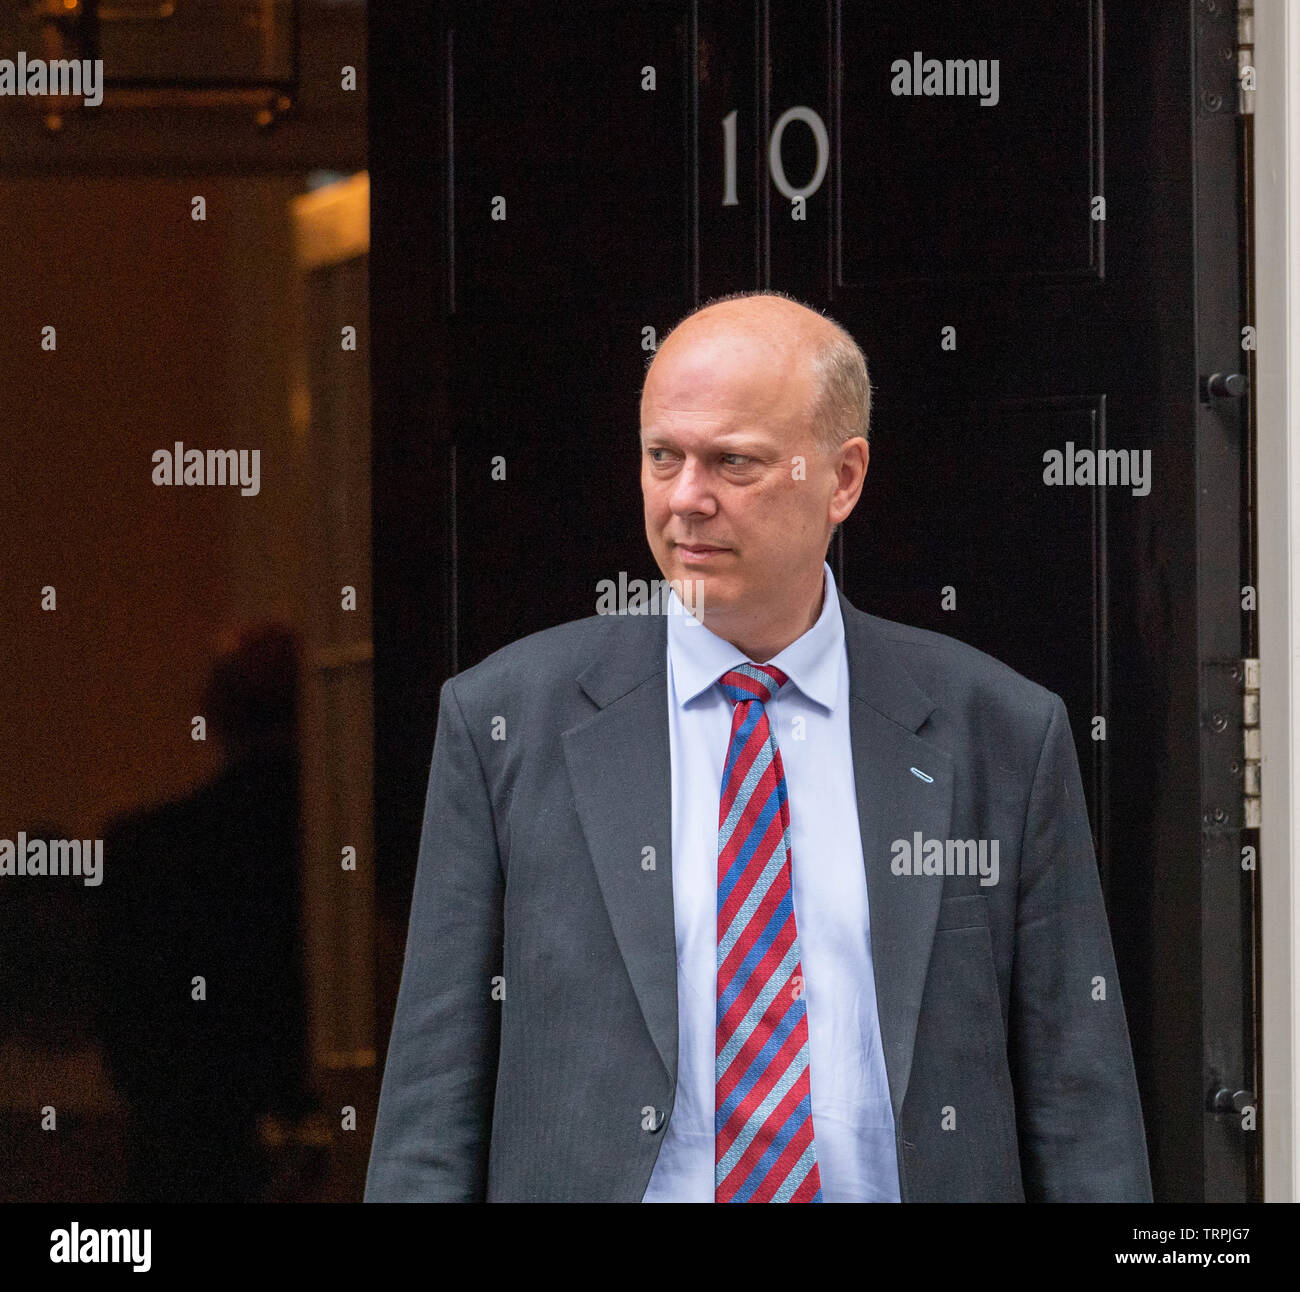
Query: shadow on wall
(162,1012)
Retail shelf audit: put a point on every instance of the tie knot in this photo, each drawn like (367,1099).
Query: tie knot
(752,682)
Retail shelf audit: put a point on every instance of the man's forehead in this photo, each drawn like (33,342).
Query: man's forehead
(708,428)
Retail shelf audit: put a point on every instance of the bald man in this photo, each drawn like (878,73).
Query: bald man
(760,898)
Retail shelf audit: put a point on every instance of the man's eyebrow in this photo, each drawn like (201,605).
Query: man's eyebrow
(753,438)
(754,442)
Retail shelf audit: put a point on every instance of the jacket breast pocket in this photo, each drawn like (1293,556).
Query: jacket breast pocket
(966,911)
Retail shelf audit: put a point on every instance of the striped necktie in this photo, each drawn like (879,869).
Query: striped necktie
(764,1150)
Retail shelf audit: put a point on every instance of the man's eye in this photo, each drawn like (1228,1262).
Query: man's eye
(735,459)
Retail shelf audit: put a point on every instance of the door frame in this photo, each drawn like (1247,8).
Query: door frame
(1277,394)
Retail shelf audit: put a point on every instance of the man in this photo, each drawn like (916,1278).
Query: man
(775,901)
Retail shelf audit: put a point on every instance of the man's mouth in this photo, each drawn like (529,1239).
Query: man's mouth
(691,552)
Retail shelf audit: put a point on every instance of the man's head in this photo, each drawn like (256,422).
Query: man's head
(753,433)
(251,695)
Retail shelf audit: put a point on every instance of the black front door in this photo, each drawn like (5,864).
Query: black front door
(1028,216)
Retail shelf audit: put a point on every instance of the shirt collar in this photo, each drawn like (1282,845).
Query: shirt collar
(699,656)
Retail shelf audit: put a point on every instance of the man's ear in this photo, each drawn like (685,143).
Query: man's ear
(860,448)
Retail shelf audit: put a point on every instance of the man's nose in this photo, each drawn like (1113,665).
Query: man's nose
(692,490)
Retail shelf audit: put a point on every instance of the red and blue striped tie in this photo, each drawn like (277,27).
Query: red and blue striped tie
(764,1150)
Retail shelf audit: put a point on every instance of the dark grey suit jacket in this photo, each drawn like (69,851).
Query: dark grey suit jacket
(1008,1059)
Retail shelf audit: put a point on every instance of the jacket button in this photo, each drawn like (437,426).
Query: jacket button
(657,1122)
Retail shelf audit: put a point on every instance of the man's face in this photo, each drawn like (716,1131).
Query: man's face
(728,515)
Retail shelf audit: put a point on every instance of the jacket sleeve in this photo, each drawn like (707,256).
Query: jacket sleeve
(1079,1119)
(434,1123)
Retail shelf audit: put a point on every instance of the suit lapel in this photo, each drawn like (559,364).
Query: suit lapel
(619,770)
(886,709)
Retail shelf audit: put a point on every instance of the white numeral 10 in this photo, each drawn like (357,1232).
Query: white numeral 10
(774,166)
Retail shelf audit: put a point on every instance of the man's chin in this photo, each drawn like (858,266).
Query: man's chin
(702,592)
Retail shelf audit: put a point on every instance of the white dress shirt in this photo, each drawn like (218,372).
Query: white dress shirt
(853,1124)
